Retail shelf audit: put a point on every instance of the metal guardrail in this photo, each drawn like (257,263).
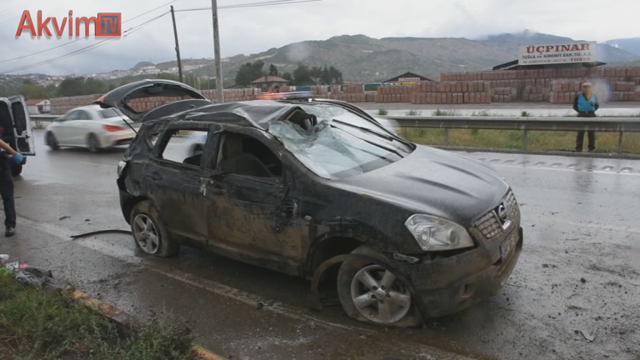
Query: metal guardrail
(39,121)
(525,124)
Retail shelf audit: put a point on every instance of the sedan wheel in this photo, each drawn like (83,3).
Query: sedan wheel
(149,233)
(93,144)
(378,296)
(52,141)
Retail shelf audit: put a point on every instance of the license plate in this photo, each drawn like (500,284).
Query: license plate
(508,245)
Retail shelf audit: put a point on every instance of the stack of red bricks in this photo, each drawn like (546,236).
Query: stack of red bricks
(61,105)
(450,92)
(564,91)
(624,91)
(354,89)
(141,105)
(349,97)
(504,94)
(320,91)
(231,95)
(395,94)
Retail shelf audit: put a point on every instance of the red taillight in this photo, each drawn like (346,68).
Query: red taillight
(112,128)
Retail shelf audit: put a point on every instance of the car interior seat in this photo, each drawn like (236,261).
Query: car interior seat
(236,161)
(304,120)
(194,160)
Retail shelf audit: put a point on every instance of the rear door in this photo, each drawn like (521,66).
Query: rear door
(173,181)
(16,126)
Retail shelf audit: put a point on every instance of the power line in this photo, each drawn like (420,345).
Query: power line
(71,42)
(84,49)
(251,5)
(136,28)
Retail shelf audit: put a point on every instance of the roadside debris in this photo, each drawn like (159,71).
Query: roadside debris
(65,217)
(260,305)
(587,336)
(36,277)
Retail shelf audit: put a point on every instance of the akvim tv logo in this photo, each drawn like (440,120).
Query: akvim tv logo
(105,24)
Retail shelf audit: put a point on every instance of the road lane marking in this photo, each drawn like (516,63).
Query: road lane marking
(202,283)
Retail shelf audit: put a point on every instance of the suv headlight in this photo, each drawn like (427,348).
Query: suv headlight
(435,234)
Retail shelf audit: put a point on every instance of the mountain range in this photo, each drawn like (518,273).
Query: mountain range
(362,58)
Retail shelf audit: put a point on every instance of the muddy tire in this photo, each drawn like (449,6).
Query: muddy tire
(149,234)
(93,143)
(51,141)
(371,293)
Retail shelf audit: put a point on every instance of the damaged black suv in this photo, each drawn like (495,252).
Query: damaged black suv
(319,189)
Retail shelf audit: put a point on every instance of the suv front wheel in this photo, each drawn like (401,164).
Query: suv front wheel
(149,233)
(371,293)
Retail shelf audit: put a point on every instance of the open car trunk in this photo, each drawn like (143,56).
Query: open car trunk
(152,99)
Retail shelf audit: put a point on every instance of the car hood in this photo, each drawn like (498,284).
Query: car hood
(435,182)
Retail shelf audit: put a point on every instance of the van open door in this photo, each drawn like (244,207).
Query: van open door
(16,128)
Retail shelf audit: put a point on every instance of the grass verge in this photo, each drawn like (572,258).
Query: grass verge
(513,139)
(35,324)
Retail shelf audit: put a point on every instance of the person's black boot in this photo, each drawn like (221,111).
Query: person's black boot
(10,232)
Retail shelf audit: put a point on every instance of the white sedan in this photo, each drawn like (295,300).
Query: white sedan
(91,127)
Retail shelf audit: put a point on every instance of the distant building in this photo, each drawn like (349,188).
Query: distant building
(38,106)
(407,77)
(266,83)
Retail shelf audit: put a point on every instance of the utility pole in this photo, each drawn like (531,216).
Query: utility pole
(175,33)
(216,49)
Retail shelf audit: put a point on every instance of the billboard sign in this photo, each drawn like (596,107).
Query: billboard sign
(577,52)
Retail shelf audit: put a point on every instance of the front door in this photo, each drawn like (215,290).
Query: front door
(251,211)
(173,180)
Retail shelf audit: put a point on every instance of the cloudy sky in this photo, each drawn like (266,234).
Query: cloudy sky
(251,30)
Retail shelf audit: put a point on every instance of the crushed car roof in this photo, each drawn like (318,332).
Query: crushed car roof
(258,113)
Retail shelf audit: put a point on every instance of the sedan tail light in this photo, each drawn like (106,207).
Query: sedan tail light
(112,128)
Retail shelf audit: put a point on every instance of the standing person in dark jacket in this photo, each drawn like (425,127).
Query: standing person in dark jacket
(586,104)
(6,185)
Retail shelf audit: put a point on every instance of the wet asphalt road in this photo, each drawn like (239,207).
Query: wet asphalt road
(578,276)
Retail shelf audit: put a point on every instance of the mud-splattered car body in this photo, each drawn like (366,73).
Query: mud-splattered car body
(445,227)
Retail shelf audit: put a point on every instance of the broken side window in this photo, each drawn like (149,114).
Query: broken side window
(177,149)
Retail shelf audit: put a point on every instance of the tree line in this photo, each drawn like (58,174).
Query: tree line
(76,86)
(302,75)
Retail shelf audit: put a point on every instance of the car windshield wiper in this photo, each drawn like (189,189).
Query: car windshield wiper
(365,129)
(372,143)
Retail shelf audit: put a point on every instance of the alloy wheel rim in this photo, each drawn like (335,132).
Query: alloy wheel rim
(146,234)
(379,296)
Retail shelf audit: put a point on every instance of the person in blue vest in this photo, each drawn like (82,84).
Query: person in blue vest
(586,105)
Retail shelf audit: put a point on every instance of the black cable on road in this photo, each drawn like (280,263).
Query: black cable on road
(99,232)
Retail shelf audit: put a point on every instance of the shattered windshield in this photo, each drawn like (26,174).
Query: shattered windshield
(336,143)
